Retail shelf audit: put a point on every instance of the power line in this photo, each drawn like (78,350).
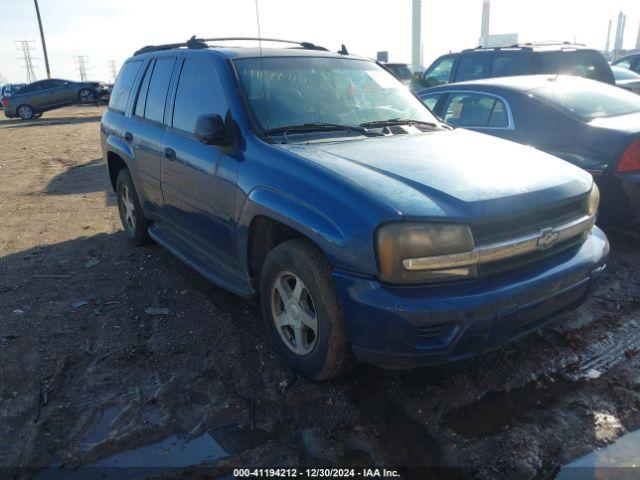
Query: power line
(113,70)
(82,61)
(25,47)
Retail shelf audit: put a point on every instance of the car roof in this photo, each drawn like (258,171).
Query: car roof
(520,83)
(531,47)
(626,57)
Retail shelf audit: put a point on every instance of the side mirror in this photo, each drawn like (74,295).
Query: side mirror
(211,130)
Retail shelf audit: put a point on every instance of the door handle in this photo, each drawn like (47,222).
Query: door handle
(170,153)
(128,136)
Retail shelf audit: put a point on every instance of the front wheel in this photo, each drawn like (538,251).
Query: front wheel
(133,220)
(86,96)
(302,312)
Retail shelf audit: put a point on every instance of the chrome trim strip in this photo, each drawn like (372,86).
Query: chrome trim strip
(504,250)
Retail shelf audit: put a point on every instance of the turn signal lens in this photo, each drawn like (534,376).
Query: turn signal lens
(630,161)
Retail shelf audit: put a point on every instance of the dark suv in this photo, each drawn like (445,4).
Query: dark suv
(317,182)
(524,59)
(32,100)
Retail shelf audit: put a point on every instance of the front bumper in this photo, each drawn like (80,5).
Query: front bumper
(424,325)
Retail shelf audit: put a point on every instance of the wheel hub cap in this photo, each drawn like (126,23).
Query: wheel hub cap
(294,313)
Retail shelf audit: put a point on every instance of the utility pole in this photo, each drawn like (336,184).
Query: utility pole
(44,44)
(82,61)
(25,47)
(606,49)
(114,71)
(416,44)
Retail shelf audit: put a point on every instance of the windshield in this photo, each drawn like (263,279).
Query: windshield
(587,99)
(285,91)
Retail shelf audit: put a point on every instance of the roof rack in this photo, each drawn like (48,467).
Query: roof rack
(200,43)
(527,46)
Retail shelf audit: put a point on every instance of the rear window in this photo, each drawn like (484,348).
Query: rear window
(588,100)
(123,85)
(580,63)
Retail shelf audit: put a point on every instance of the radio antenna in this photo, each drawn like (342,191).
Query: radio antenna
(264,89)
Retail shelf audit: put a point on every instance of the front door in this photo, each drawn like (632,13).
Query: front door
(198,180)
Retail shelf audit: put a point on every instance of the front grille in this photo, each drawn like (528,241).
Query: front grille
(434,333)
(514,226)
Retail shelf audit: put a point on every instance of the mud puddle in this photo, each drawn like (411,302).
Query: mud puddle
(172,453)
(495,410)
(620,460)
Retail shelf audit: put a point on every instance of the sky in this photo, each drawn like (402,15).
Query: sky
(110,30)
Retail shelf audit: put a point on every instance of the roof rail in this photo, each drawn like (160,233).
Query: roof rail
(200,43)
(527,45)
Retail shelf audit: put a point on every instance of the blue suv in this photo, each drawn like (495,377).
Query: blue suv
(316,182)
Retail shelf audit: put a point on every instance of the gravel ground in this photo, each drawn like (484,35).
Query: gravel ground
(87,373)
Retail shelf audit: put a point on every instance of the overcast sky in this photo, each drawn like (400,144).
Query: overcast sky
(106,30)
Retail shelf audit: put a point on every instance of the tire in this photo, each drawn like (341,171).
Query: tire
(135,225)
(25,112)
(86,95)
(322,354)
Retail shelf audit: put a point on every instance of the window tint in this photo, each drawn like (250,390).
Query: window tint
(510,64)
(123,85)
(431,100)
(440,73)
(581,63)
(475,110)
(200,92)
(624,64)
(158,86)
(142,92)
(471,67)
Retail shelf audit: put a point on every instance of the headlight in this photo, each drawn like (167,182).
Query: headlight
(594,200)
(404,251)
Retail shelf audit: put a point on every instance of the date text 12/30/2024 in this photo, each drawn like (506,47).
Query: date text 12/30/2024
(315,473)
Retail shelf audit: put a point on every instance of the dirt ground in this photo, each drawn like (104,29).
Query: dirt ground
(86,373)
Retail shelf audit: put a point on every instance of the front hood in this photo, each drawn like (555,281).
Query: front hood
(450,173)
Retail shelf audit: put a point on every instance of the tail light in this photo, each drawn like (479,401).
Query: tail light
(5,102)
(630,161)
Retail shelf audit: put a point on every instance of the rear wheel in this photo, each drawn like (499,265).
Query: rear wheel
(135,225)
(25,112)
(86,95)
(302,312)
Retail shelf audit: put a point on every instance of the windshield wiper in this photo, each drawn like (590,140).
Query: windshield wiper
(398,121)
(318,127)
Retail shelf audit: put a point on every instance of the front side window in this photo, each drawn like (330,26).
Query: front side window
(158,87)
(286,91)
(475,110)
(431,100)
(124,83)
(440,73)
(200,92)
(588,100)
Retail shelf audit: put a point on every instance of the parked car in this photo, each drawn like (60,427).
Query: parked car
(590,124)
(38,97)
(627,79)
(319,183)
(7,90)
(526,59)
(401,71)
(632,62)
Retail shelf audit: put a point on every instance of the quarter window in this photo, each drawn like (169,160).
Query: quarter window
(475,110)
(123,85)
(158,87)
(199,92)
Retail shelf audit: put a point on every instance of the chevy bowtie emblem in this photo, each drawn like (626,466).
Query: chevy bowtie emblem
(547,238)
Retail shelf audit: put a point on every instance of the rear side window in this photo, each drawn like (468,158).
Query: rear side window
(471,67)
(475,110)
(200,92)
(580,63)
(124,83)
(158,87)
(510,64)
(142,92)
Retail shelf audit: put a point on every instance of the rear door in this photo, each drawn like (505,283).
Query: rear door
(472,66)
(198,180)
(145,130)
